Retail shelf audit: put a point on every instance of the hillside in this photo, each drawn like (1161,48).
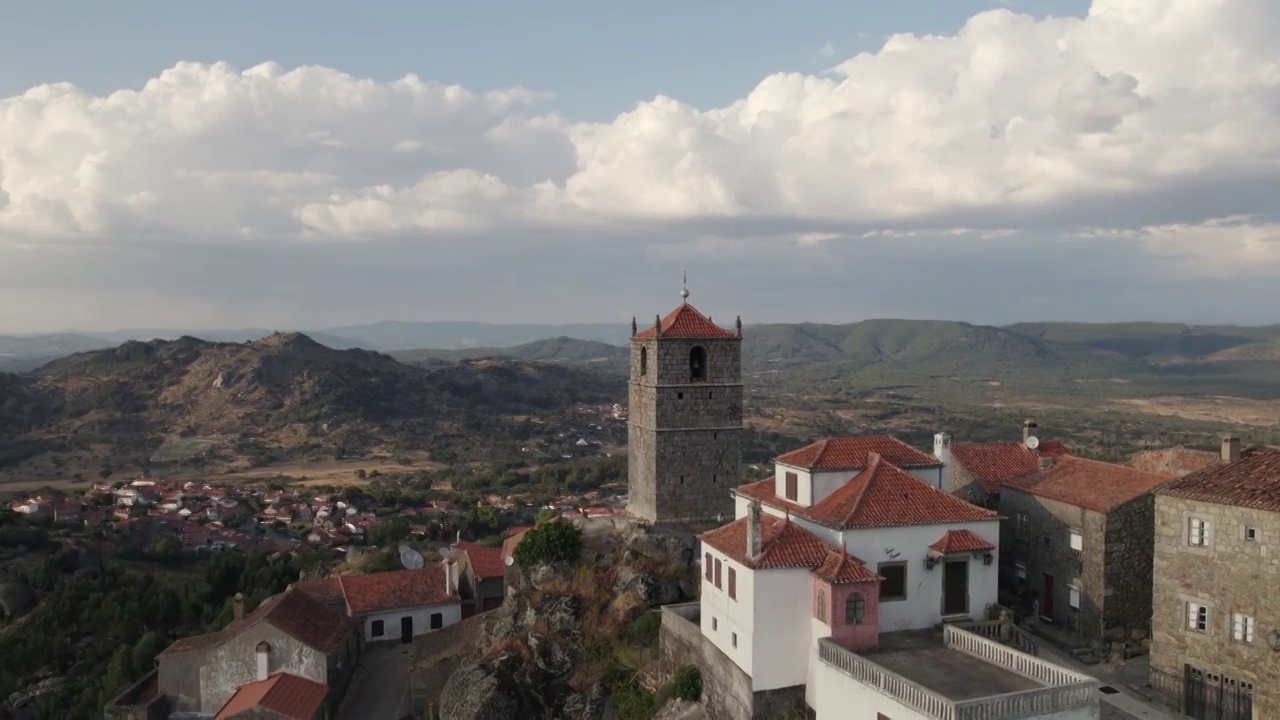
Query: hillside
(560,349)
(281,396)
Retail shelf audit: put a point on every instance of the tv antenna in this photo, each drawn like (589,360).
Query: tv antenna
(411,559)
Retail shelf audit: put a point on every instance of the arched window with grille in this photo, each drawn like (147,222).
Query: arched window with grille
(822,605)
(855,609)
(698,363)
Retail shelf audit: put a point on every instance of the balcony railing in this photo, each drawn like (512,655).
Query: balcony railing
(1063,689)
(1005,633)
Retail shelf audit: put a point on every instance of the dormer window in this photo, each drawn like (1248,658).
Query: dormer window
(698,363)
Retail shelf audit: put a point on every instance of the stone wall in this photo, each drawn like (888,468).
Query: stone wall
(1231,574)
(1129,551)
(141,701)
(961,483)
(1047,550)
(726,689)
(684,435)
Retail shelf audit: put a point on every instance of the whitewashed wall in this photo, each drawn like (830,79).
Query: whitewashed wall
(729,616)
(451,613)
(783,633)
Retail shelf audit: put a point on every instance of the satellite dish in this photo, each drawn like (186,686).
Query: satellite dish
(410,558)
(444,552)
(1033,442)
(509,561)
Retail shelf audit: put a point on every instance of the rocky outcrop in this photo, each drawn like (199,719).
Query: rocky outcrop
(551,651)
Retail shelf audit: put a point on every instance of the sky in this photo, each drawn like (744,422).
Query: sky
(303,165)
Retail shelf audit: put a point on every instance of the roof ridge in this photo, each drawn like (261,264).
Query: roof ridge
(873,466)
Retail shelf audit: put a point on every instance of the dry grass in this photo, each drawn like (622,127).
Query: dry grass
(1212,408)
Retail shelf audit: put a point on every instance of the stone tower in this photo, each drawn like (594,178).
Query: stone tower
(684,431)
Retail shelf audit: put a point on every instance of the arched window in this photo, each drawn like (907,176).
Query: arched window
(644,361)
(698,363)
(855,609)
(822,605)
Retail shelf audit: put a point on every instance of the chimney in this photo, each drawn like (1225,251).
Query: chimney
(1028,429)
(449,588)
(457,538)
(239,606)
(1230,449)
(1046,463)
(754,541)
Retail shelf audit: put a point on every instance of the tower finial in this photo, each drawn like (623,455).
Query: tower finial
(633,326)
(684,290)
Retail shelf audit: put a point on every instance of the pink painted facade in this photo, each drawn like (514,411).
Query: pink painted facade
(832,605)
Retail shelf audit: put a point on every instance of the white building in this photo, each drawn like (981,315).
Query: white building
(398,605)
(854,584)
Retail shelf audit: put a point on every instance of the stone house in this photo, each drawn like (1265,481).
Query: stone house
(1216,625)
(1077,538)
(292,633)
(481,584)
(977,471)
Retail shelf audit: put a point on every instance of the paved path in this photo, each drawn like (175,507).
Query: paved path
(381,684)
(1121,705)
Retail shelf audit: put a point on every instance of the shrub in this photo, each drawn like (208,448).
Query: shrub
(644,631)
(631,701)
(549,543)
(688,682)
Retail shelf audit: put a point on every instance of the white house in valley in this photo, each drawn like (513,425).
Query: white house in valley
(850,583)
(395,606)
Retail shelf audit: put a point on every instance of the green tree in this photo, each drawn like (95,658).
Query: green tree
(551,542)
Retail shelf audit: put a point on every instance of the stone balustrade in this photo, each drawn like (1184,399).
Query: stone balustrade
(908,693)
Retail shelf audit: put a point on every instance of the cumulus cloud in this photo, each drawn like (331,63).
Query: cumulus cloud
(1013,121)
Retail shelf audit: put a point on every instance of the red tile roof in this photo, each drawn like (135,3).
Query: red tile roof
(851,453)
(296,613)
(1090,484)
(841,568)
(783,544)
(995,463)
(485,562)
(686,322)
(882,495)
(961,541)
(385,591)
(290,696)
(1174,461)
(1250,482)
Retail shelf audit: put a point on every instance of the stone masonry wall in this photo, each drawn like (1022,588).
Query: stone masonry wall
(1231,574)
(1127,574)
(684,435)
(1047,549)
(962,484)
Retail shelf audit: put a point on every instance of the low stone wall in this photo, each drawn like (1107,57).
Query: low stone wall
(726,689)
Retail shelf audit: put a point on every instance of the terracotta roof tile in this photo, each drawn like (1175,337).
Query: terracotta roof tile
(1251,482)
(995,463)
(783,544)
(290,696)
(851,453)
(1174,461)
(841,568)
(486,562)
(686,322)
(1090,484)
(384,591)
(296,613)
(961,541)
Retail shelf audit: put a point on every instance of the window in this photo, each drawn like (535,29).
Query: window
(821,612)
(698,363)
(437,621)
(1073,597)
(894,586)
(793,486)
(706,562)
(855,609)
(644,361)
(1197,617)
(1197,532)
(1020,570)
(376,628)
(1241,627)
(711,396)
(1023,527)
(714,625)
(733,639)
(1046,541)
(1250,533)
(1076,540)
(679,396)
(718,587)
(733,584)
